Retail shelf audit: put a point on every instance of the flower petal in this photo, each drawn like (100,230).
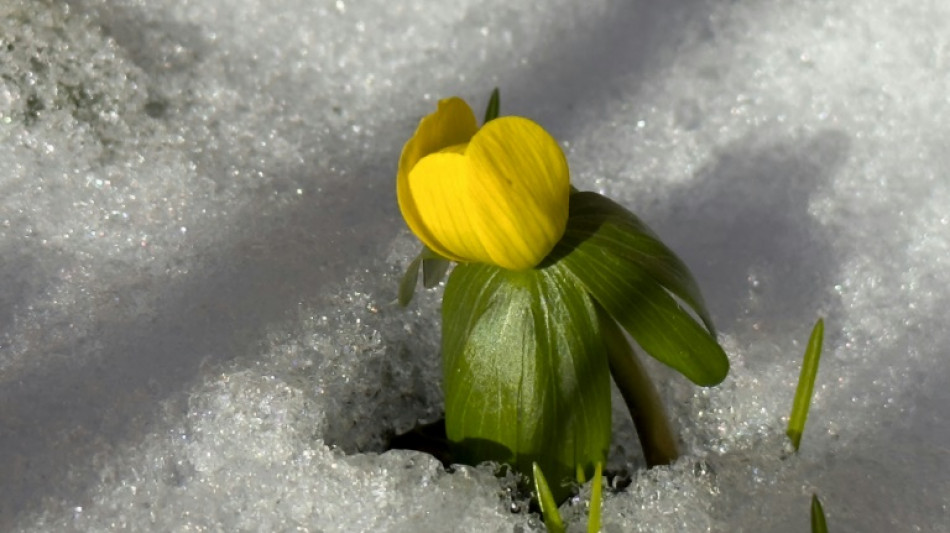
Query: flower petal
(438,186)
(453,123)
(519,191)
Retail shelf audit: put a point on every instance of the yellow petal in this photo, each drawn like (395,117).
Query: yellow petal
(504,201)
(519,189)
(453,123)
(439,187)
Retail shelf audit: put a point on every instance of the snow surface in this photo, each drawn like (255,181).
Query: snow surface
(200,250)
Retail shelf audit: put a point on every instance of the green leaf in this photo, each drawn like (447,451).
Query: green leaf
(806,384)
(640,245)
(593,518)
(818,524)
(637,279)
(549,510)
(494,106)
(434,267)
(407,287)
(526,374)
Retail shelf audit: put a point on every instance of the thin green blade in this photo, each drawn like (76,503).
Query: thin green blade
(549,510)
(806,384)
(433,270)
(593,518)
(526,374)
(407,287)
(634,277)
(818,524)
(434,267)
(494,106)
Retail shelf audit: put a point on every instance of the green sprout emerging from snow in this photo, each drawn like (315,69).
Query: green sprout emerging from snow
(806,384)
(549,281)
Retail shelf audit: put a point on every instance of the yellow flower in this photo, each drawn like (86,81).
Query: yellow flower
(496,195)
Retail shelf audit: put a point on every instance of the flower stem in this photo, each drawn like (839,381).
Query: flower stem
(642,399)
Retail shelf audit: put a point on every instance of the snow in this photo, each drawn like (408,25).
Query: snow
(201,247)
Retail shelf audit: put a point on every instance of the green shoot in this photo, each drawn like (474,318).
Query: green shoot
(593,518)
(817,516)
(409,280)
(434,268)
(552,517)
(494,106)
(806,384)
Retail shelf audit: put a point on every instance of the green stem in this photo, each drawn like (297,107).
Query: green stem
(641,397)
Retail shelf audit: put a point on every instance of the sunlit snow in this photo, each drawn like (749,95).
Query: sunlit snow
(200,250)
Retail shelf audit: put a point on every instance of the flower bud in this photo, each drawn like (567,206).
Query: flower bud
(496,195)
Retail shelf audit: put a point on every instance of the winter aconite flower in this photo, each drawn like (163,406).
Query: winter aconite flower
(528,350)
(496,194)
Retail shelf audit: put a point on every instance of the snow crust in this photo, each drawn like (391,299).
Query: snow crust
(201,247)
